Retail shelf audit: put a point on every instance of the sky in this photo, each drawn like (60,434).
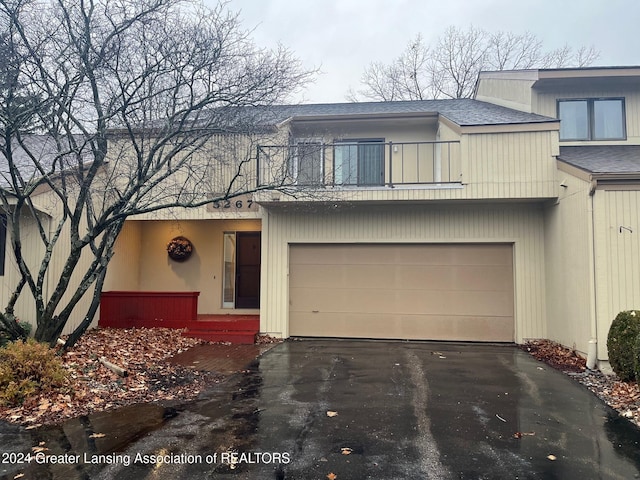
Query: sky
(341,37)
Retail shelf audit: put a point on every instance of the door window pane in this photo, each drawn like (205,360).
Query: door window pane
(229,274)
(370,164)
(309,163)
(346,164)
(359,163)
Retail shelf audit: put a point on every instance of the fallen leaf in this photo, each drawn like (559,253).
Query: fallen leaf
(332,476)
(523,434)
(551,457)
(97,435)
(20,475)
(346,450)
(500,418)
(332,414)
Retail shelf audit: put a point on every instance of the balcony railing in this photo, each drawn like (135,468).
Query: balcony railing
(359,164)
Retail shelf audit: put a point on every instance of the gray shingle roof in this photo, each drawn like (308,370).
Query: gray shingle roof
(44,151)
(464,112)
(603,158)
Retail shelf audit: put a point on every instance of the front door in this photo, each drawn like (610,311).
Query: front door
(247,270)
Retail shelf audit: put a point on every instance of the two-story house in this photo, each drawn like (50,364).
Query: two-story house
(510,216)
(412,220)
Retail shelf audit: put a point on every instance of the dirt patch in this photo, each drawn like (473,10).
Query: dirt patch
(622,396)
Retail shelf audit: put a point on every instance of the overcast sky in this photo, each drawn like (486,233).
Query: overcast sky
(341,37)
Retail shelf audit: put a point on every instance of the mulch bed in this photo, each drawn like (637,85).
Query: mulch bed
(92,387)
(622,396)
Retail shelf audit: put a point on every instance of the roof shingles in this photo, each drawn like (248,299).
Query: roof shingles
(603,159)
(464,111)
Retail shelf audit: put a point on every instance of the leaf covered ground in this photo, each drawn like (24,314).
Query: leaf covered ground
(622,396)
(93,387)
(143,353)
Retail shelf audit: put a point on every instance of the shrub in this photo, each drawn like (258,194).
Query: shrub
(620,343)
(4,338)
(27,368)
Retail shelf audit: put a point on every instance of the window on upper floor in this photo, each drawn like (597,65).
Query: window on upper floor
(359,162)
(3,241)
(592,119)
(308,160)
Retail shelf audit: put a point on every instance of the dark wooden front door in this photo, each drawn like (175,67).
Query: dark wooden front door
(247,269)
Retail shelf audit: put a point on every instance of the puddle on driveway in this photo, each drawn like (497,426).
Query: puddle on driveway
(105,445)
(104,433)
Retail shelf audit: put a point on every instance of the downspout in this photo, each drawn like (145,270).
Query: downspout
(592,351)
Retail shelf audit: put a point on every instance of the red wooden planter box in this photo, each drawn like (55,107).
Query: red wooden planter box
(148,309)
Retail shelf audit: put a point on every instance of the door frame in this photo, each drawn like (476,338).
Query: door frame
(233,273)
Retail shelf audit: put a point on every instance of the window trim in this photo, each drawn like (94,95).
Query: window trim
(591,119)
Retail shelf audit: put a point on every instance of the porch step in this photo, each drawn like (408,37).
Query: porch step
(237,329)
(238,337)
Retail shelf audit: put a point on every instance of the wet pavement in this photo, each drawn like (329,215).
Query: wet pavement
(405,410)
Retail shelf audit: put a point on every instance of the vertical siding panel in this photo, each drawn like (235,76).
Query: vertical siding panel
(520,225)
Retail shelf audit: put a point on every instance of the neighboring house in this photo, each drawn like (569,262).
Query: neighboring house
(592,231)
(502,218)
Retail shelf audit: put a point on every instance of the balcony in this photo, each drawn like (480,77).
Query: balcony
(359,164)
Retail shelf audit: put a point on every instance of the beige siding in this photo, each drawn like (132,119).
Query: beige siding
(617,256)
(520,226)
(510,165)
(568,260)
(394,130)
(510,93)
(123,272)
(33,250)
(547,105)
(494,166)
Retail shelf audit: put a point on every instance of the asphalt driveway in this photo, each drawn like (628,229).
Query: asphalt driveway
(403,410)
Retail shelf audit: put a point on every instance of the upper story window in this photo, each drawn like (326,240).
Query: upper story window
(359,162)
(592,119)
(308,162)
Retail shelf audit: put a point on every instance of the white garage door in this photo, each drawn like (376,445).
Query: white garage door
(431,292)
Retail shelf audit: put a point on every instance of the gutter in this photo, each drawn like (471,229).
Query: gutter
(592,351)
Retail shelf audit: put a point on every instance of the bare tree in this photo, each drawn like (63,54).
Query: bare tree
(449,67)
(162,84)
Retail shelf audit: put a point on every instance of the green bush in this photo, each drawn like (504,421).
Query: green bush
(623,332)
(4,338)
(27,368)
(636,359)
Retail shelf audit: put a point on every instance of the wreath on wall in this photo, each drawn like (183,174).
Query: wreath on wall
(179,249)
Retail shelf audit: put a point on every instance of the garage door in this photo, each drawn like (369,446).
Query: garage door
(431,292)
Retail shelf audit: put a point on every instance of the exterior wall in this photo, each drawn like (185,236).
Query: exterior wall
(568,263)
(515,165)
(32,250)
(521,225)
(510,93)
(123,272)
(510,165)
(617,256)
(546,104)
(203,271)
(391,130)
